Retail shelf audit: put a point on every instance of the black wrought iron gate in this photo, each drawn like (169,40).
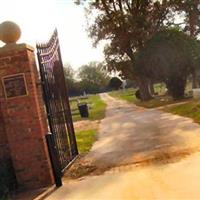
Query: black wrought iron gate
(57,100)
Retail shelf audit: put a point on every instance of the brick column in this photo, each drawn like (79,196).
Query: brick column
(4,148)
(23,115)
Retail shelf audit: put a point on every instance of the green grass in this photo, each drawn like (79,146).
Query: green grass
(96,106)
(128,95)
(190,109)
(157,101)
(85,139)
(160,88)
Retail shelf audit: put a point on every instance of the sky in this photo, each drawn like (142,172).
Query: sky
(38,18)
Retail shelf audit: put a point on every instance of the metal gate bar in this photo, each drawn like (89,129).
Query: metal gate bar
(57,100)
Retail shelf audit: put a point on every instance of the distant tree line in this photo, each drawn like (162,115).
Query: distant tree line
(90,78)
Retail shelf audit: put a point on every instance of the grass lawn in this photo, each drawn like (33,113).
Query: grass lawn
(158,101)
(190,109)
(85,139)
(96,108)
(129,95)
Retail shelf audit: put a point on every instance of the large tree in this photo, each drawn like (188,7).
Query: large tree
(190,12)
(127,25)
(169,56)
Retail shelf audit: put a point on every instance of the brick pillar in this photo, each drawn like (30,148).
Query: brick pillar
(4,148)
(23,115)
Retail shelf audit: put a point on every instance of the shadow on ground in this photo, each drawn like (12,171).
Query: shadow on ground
(133,135)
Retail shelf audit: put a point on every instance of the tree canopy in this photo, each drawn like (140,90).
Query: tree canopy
(190,10)
(127,25)
(169,56)
(93,77)
(73,85)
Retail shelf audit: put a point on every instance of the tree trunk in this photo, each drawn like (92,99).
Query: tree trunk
(151,88)
(194,80)
(144,89)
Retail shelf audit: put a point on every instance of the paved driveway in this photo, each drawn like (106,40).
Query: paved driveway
(131,134)
(150,154)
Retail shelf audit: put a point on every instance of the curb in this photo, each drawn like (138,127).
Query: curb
(46,193)
(53,188)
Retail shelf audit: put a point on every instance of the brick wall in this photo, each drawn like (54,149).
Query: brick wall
(4,149)
(24,120)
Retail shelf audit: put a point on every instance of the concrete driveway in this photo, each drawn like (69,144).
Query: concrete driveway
(150,155)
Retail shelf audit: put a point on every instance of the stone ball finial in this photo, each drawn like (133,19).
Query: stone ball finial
(9,32)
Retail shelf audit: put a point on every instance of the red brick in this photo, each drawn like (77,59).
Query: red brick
(23,127)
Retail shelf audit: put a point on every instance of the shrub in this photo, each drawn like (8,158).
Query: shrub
(115,83)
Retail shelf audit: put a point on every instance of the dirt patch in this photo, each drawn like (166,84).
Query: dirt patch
(81,167)
(165,157)
(86,125)
(84,167)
